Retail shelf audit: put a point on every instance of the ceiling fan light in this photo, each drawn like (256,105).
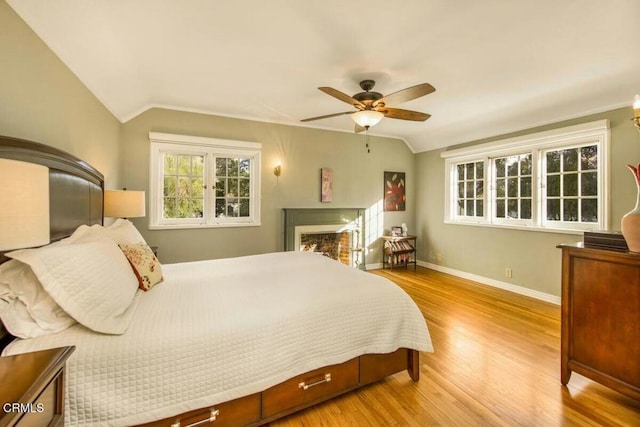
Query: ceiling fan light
(367,118)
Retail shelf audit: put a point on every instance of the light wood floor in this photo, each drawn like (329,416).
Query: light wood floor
(496,363)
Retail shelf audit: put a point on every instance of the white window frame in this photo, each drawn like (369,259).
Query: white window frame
(467,218)
(493,175)
(592,133)
(161,143)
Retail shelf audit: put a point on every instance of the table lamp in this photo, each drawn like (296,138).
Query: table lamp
(124,203)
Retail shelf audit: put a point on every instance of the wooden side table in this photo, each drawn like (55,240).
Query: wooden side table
(32,392)
(399,251)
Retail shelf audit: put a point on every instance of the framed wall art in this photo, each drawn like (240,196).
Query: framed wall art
(326,185)
(394,191)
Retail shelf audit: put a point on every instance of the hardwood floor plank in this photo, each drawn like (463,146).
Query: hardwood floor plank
(496,363)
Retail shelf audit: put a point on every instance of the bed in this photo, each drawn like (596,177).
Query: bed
(242,341)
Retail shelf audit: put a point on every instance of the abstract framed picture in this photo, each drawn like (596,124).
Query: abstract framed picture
(326,185)
(394,191)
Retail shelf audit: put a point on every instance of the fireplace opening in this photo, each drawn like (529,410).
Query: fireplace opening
(336,233)
(340,242)
(335,245)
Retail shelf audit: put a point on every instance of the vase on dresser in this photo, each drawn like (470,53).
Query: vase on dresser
(630,224)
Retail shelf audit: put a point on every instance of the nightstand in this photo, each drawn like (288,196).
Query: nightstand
(32,392)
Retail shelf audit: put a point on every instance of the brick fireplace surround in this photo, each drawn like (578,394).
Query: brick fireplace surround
(332,231)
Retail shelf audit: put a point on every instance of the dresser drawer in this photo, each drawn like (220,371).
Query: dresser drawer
(307,388)
(238,412)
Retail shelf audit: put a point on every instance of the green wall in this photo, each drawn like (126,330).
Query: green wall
(41,100)
(532,255)
(357,179)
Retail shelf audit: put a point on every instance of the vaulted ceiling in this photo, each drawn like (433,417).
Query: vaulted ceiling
(497,65)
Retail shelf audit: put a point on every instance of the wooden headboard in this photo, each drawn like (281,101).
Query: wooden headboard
(75,189)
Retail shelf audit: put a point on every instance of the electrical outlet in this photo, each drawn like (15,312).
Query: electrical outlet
(439,257)
(508,273)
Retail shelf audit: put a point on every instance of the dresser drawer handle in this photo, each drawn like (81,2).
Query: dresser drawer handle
(212,418)
(305,386)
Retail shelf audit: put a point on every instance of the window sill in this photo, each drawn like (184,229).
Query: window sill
(188,226)
(522,228)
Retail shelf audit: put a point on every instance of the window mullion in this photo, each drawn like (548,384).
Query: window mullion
(493,191)
(209,190)
(535,188)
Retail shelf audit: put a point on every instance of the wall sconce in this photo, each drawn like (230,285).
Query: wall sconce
(24,205)
(277,171)
(636,111)
(124,204)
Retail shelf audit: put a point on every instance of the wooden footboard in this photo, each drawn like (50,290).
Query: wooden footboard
(301,392)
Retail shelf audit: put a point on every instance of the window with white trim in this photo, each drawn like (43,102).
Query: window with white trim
(203,182)
(554,180)
(470,187)
(512,180)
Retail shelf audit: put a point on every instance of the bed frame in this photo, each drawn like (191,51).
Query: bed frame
(76,197)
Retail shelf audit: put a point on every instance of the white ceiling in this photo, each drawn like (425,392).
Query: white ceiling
(498,65)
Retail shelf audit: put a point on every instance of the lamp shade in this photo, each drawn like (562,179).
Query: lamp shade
(124,204)
(367,118)
(24,204)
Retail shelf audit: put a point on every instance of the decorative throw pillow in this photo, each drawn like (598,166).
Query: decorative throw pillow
(145,265)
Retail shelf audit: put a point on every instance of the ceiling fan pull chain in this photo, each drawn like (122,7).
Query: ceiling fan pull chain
(366,133)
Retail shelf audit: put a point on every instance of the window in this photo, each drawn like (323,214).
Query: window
(203,182)
(550,180)
(470,185)
(513,177)
(183,180)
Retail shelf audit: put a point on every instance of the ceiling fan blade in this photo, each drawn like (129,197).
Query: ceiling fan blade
(359,128)
(397,113)
(327,116)
(342,97)
(407,94)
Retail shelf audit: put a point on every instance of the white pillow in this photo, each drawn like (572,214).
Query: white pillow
(28,311)
(91,280)
(122,232)
(15,316)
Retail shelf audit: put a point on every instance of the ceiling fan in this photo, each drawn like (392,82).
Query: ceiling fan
(372,106)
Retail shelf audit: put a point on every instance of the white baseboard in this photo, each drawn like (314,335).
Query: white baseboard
(373,266)
(495,283)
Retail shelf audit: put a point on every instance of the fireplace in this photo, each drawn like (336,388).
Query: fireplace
(335,233)
(333,241)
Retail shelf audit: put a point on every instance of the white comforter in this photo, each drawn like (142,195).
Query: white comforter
(221,329)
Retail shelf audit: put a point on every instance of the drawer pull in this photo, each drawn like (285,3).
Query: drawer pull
(305,386)
(212,418)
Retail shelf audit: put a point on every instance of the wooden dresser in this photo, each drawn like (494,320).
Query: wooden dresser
(601,317)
